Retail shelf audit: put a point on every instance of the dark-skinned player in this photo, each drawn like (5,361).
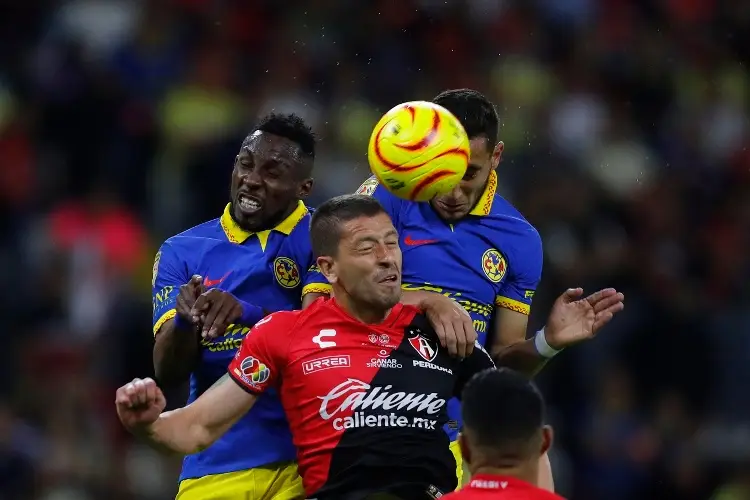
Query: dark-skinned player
(257,251)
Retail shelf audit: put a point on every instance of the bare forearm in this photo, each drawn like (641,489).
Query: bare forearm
(521,357)
(175,354)
(172,433)
(415,297)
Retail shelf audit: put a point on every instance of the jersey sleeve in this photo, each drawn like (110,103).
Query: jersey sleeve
(525,271)
(259,361)
(170,272)
(315,282)
(391,203)
(478,361)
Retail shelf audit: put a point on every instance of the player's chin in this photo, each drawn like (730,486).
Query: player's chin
(389,293)
(449,212)
(248,218)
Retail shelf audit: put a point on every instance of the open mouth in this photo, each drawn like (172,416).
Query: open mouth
(248,204)
(389,279)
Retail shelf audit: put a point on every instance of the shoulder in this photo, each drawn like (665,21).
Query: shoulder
(504,218)
(280,322)
(208,233)
(301,232)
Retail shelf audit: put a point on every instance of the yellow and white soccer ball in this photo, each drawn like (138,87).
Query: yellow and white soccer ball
(418,150)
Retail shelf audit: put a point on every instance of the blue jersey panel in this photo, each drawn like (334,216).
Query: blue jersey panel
(267,269)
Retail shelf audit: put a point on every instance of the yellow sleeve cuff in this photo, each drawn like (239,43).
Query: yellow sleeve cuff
(323,288)
(513,305)
(163,319)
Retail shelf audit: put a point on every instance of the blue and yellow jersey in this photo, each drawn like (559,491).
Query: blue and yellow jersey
(492,258)
(267,269)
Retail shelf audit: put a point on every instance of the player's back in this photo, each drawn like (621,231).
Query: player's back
(262,269)
(366,403)
(492,487)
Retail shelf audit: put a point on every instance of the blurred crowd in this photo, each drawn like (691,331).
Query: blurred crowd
(626,131)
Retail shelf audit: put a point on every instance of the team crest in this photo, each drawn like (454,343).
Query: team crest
(156,269)
(427,349)
(368,187)
(494,265)
(286,272)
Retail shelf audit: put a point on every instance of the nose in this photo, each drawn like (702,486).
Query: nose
(387,256)
(251,178)
(454,194)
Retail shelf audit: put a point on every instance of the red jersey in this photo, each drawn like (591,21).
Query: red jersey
(366,404)
(490,487)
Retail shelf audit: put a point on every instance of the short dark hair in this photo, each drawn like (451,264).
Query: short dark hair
(475,112)
(502,411)
(288,126)
(325,226)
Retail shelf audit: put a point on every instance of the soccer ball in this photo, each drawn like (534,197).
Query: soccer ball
(418,150)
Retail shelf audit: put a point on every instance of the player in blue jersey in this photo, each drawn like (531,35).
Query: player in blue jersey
(476,248)
(259,251)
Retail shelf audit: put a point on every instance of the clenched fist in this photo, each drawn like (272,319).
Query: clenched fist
(139,403)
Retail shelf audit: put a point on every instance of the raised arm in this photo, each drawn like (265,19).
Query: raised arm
(185,430)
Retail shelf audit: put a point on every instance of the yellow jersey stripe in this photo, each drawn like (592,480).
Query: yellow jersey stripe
(317,288)
(163,319)
(513,305)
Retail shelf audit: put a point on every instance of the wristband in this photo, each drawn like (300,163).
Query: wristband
(542,347)
(181,323)
(250,314)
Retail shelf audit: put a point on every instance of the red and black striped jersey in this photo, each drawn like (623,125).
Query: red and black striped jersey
(365,403)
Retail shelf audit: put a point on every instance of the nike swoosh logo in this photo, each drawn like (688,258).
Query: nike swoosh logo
(412,242)
(208,283)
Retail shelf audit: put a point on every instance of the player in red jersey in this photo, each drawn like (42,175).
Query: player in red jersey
(503,437)
(362,378)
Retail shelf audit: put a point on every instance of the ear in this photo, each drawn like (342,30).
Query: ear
(463,444)
(305,187)
(328,269)
(497,154)
(547,437)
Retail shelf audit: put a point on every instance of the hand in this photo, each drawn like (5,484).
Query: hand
(139,403)
(573,320)
(189,293)
(216,309)
(451,323)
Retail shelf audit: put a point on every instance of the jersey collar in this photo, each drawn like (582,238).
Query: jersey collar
(484,205)
(236,234)
(493,482)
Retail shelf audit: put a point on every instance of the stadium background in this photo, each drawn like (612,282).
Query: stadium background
(626,133)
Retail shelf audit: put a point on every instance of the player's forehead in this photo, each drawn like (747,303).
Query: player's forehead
(480,150)
(361,229)
(263,146)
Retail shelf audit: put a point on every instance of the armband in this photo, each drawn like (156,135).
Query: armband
(542,347)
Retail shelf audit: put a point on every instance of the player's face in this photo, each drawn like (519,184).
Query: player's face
(368,264)
(459,202)
(269,177)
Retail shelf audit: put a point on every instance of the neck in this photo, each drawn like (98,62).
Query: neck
(525,472)
(365,313)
